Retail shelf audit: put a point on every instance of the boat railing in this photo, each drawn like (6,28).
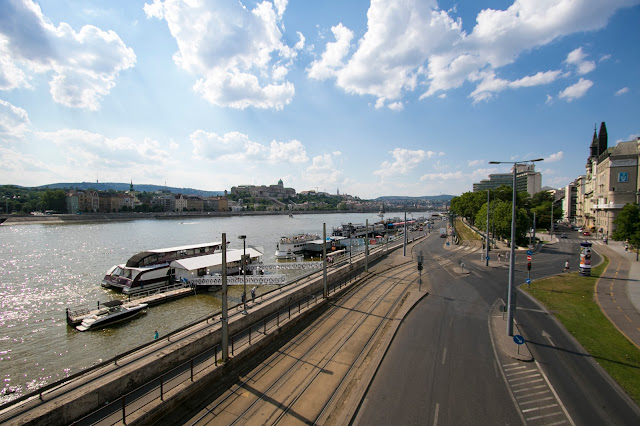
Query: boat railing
(157,290)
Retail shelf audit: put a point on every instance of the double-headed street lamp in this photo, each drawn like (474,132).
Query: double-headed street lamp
(244,273)
(511,302)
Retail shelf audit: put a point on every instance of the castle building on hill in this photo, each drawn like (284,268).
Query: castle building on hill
(278,191)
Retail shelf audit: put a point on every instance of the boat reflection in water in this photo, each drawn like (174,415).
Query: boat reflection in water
(112,312)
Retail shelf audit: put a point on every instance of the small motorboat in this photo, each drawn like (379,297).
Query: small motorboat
(113,311)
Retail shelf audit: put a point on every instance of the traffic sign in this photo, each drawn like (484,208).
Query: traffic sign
(528,281)
(529,258)
(529,252)
(518,339)
(488,258)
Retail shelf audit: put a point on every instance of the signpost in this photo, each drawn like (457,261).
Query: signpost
(420,260)
(519,341)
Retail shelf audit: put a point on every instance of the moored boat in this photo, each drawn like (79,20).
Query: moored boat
(294,245)
(157,268)
(114,311)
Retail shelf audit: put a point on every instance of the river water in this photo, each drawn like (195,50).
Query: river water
(46,268)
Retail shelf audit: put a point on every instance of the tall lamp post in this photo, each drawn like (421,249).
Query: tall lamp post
(244,274)
(486,257)
(511,302)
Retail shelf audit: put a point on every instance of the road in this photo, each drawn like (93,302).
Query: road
(441,367)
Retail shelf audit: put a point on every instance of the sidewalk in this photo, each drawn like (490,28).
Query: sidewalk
(618,289)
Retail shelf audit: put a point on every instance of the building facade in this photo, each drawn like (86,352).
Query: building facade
(527,179)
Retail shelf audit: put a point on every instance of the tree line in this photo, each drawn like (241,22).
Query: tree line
(473,207)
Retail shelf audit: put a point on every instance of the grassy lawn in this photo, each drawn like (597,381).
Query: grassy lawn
(464,232)
(571,299)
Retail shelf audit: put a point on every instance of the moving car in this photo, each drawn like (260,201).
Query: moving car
(563,236)
(586,233)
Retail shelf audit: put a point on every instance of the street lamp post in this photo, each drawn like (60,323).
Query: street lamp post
(487,233)
(511,302)
(244,273)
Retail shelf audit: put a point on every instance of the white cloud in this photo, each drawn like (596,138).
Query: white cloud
(410,44)
(537,79)
(577,58)
(554,157)
(333,55)
(231,48)
(576,91)
(405,161)
(84,64)
(473,163)
(288,152)
(622,91)
(396,106)
(14,122)
(237,147)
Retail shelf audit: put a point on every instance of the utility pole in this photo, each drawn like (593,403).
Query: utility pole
(404,244)
(487,233)
(366,248)
(324,260)
(225,309)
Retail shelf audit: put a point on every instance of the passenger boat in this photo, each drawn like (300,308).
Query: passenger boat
(294,245)
(358,230)
(113,312)
(161,267)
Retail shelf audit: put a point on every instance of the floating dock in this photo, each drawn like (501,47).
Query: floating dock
(77,314)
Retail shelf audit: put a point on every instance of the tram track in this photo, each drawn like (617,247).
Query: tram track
(318,361)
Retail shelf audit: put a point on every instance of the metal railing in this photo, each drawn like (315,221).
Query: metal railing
(116,412)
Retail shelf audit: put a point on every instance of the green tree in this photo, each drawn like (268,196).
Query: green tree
(628,224)
(55,200)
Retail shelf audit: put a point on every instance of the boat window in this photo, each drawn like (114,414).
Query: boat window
(202,272)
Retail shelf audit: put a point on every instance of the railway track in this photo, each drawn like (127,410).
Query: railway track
(309,373)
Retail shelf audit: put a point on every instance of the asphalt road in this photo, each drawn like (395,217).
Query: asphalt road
(441,367)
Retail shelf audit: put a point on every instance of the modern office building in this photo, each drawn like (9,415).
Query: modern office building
(527,179)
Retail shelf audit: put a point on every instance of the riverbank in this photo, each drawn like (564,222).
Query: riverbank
(7,220)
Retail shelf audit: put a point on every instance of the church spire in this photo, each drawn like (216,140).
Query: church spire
(602,139)
(593,149)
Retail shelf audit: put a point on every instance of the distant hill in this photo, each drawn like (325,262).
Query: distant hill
(115,186)
(395,199)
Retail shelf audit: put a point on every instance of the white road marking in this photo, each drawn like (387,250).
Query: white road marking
(435,416)
(548,337)
(444,355)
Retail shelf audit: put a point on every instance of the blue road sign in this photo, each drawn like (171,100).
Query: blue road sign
(518,339)
(529,252)
(528,281)
(488,258)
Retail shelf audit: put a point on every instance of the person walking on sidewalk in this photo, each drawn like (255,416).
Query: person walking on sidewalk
(566,266)
(253,295)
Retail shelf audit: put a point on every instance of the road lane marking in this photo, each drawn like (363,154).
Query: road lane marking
(435,416)
(526,383)
(628,319)
(539,408)
(444,355)
(528,389)
(537,400)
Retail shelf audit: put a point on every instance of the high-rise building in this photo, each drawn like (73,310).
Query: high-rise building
(527,179)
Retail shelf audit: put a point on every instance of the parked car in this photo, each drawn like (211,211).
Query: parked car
(586,233)
(563,236)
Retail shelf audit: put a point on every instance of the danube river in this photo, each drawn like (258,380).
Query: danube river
(46,268)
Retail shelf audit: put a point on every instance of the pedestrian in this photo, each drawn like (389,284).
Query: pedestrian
(626,247)
(253,295)
(499,257)
(156,335)
(566,266)
(244,297)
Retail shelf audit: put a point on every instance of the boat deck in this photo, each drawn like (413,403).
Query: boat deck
(76,315)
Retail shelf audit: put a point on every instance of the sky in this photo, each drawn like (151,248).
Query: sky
(368,98)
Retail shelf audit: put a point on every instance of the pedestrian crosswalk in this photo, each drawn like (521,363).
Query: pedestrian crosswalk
(534,396)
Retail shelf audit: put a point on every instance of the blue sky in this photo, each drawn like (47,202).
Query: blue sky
(374,98)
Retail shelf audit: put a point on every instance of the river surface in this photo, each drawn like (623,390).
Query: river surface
(47,268)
